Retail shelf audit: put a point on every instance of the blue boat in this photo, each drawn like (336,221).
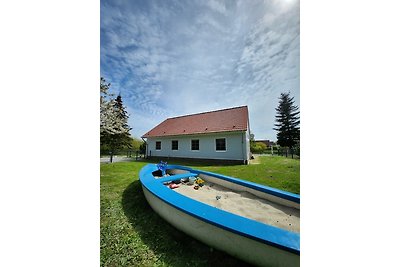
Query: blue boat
(251,240)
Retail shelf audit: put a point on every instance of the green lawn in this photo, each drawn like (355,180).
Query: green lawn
(133,235)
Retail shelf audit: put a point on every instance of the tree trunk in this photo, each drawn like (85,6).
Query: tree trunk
(111,156)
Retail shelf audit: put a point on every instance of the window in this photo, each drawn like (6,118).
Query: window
(195,144)
(220,144)
(158,145)
(174,145)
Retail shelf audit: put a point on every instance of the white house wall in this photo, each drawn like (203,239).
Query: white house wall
(237,147)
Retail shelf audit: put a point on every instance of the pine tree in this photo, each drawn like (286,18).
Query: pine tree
(114,128)
(122,120)
(287,122)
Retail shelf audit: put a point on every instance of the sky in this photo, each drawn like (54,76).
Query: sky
(172,58)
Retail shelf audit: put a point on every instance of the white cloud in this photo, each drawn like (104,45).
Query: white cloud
(183,58)
(217,6)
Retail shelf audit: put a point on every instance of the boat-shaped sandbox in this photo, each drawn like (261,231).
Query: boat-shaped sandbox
(256,223)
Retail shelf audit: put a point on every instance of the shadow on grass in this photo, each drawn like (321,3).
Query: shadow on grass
(168,244)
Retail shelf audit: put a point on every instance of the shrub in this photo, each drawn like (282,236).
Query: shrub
(258,147)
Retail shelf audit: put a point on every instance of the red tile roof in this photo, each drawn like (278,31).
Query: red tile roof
(225,120)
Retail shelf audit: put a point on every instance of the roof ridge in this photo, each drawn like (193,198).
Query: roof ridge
(205,112)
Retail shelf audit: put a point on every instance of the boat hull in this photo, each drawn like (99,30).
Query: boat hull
(207,227)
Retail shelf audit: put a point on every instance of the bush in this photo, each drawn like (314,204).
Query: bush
(258,147)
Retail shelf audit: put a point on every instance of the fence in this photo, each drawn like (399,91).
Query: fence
(130,153)
(279,151)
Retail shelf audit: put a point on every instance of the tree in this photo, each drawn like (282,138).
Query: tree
(122,123)
(142,148)
(105,107)
(114,128)
(258,147)
(287,122)
(252,143)
(136,143)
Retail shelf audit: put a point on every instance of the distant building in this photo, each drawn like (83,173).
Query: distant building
(217,135)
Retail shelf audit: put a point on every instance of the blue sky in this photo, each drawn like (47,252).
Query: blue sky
(171,58)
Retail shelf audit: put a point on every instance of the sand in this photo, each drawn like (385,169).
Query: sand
(244,204)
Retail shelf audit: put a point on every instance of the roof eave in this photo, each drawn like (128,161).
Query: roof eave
(198,133)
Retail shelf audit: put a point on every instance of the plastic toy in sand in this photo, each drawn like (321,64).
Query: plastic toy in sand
(191,180)
(162,166)
(199,181)
(184,180)
(173,186)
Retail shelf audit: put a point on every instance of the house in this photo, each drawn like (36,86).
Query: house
(217,135)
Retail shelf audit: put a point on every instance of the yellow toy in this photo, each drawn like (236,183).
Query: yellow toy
(199,181)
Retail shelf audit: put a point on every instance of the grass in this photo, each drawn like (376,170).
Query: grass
(278,172)
(133,235)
